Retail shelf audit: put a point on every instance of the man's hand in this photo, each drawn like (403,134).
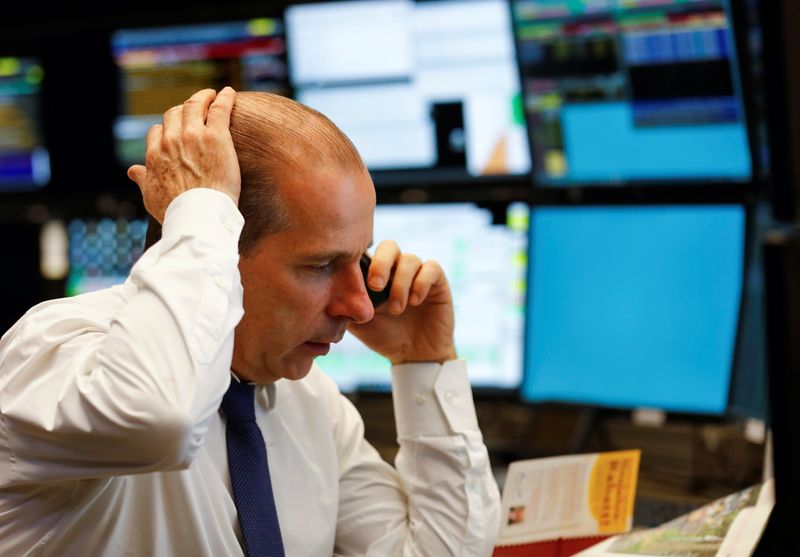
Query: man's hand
(193,148)
(416,323)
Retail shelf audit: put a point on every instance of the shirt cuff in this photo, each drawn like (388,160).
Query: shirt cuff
(433,399)
(210,215)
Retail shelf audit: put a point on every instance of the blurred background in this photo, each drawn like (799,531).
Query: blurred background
(611,186)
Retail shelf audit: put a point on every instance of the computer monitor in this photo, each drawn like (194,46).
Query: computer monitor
(634,306)
(485,266)
(24,159)
(102,252)
(160,67)
(632,92)
(427,91)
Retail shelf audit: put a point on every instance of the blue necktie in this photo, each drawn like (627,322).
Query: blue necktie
(247,463)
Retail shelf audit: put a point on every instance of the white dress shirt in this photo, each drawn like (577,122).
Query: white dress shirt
(112,443)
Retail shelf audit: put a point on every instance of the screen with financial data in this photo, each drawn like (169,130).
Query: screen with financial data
(102,252)
(485,266)
(24,158)
(634,306)
(427,91)
(160,67)
(632,92)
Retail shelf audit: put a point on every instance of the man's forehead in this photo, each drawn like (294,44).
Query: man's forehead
(320,253)
(328,200)
(329,230)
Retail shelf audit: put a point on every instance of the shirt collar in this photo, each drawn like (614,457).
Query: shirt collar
(268,393)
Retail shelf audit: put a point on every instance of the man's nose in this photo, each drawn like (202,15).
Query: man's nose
(350,298)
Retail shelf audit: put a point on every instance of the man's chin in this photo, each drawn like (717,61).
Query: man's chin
(295,364)
(297,367)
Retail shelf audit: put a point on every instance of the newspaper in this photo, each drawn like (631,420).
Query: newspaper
(728,527)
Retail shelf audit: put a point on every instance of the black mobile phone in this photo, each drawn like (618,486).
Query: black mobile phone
(376,297)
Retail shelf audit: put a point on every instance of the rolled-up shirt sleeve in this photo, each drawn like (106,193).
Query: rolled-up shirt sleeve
(126,380)
(442,498)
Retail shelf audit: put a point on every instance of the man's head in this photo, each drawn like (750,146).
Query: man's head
(308,204)
(276,137)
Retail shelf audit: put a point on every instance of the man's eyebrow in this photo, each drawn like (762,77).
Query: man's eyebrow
(330,255)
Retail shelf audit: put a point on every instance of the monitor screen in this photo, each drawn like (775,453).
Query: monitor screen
(485,267)
(426,91)
(634,306)
(640,91)
(24,159)
(162,67)
(102,252)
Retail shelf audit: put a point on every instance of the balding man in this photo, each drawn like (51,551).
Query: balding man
(113,440)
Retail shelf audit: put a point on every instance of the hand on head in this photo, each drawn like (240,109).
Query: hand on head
(191,149)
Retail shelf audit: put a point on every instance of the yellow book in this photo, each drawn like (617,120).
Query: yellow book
(576,496)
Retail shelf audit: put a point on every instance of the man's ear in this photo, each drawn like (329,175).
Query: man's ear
(153,232)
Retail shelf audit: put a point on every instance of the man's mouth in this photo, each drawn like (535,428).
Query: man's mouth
(322,346)
(318,348)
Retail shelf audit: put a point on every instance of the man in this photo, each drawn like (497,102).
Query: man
(112,440)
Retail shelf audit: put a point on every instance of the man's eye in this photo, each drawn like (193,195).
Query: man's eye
(323,268)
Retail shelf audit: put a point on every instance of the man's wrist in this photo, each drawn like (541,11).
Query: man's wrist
(446,355)
(206,213)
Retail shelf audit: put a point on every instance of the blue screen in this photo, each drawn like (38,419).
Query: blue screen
(634,306)
(631,92)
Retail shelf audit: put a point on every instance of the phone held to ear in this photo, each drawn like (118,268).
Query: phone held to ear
(377,298)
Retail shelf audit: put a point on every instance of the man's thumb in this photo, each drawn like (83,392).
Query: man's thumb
(137,173)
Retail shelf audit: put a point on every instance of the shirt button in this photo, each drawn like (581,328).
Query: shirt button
(450,397)
(226,224)
(421,399)
(219,281)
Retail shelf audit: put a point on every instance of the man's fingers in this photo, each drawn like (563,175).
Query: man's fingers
(137,173)
(195,108)
(172,117)
(153,141)
(171,130)
(430,274)
(408,265)
(219,112)
(384,259)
